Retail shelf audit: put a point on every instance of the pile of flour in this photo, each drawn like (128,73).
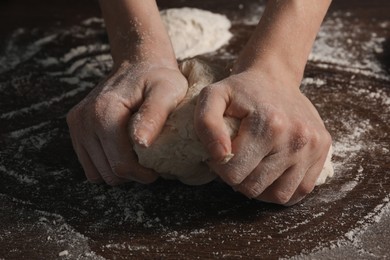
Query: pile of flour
(194,31)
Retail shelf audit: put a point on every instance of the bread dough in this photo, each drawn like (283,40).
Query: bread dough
(327,170)
(194,31)
(177,153)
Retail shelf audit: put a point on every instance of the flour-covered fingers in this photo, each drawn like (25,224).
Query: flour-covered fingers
(209,123)
(268,170)
(96,153)
(308,183)
(123,161)
(252,144)
(281,191)
(117,148)
(159,101)
(89,168)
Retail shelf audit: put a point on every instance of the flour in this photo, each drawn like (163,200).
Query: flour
(96,215)
(336,47)
(353,240)
(194,31)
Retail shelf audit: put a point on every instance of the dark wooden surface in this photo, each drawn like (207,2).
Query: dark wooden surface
(46,206)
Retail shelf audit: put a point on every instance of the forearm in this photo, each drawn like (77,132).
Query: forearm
(135,29)
(283,39)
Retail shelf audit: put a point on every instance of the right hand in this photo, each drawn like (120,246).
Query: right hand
(98,125)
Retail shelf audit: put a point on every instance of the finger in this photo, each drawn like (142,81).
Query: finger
(268,170)
(308,183)
(98,158)
(257,137)
(281,191)
(119,152)
(209,122)
(90,170)
(160,100)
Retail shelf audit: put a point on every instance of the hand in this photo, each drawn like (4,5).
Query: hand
(99,124)
(281,145)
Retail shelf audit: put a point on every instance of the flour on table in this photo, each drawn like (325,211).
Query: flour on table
(194,31)
(177,153)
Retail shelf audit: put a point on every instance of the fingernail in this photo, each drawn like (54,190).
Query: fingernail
(218,151)
(227,158)
(142,133)
(141,140)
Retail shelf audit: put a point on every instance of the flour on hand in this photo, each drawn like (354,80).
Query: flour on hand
(178,153)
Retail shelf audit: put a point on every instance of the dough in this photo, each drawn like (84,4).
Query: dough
(327,170)
(194,31)
(177,153)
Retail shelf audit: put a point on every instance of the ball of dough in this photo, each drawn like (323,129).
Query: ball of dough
(177,153)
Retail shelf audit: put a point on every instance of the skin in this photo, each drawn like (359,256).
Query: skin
(145,81)
(282,142)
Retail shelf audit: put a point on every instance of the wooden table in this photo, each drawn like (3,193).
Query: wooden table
(53,53)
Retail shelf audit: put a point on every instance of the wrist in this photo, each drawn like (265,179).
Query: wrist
(136,32)
(282,41)
(143,48)
(272,67)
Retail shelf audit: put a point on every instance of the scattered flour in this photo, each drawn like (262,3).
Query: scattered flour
(353,240)
(23,179)
(336,48)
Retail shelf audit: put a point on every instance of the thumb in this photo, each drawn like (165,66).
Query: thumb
(148,122)
(210,124)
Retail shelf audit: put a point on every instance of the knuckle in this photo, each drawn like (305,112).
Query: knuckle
(281,197)
(98,112)
(208,91)
(256,125)
(112,182)
(301,137)
(119,172)
(320,139)
(315,138)
(327,139)
(233,179)
(119,169)
(205,94)
(99,105)
(69,117)
(252,190)
(109,178)
(305,188)
(276,123)
(72,115)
